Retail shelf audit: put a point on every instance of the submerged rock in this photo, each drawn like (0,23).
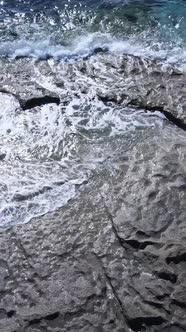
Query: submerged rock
(112,259)
(128,80)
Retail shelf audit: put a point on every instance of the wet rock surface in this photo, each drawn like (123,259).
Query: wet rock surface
(128,80)
(20,81)
(114,257)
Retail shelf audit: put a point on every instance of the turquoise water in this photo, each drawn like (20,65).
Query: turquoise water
(63,29)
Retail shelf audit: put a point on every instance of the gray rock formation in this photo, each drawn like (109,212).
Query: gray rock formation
(113,258)
(127,80)
(20,81)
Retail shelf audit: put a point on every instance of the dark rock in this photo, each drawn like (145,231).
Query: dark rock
(167,275)
(23,197)
(176,258)
(138,324)
(39,101)
(2,156)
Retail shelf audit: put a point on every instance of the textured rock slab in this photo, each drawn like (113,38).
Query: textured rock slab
(20,80)
(113,259)
(56,282)
(128,80)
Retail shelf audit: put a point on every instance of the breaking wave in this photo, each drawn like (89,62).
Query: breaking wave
(66,30)
(88,44)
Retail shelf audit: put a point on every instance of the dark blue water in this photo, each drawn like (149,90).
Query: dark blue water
(64,28)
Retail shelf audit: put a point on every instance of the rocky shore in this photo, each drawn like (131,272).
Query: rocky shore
(113,259)
(127,80)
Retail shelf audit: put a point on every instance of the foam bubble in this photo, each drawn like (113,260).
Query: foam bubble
(86,44)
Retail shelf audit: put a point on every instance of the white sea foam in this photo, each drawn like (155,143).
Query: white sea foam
(86,44)
(47,152)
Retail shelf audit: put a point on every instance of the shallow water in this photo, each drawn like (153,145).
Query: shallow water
(48,153)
